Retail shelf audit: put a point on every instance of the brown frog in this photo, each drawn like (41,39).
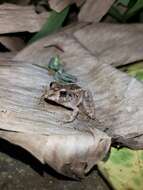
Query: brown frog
(73,97)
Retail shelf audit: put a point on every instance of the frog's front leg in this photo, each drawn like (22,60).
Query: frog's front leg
(43,96)
(73,116)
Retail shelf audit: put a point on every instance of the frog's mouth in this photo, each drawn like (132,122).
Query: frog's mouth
(56,104)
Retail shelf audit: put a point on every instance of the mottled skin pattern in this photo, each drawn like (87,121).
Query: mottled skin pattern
(73,97)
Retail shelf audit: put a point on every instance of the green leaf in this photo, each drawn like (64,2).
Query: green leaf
(123,2)
(139,76)
(134,9)
(132,3)
(114,12)
(136,70)
(123,169)
(53,23)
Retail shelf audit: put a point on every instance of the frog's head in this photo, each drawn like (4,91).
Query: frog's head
(58,93)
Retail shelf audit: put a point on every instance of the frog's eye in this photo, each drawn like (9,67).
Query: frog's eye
(63,93)
(53,85)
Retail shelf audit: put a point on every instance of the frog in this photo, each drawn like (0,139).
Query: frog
(73,97)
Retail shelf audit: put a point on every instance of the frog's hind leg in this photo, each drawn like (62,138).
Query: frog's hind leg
(73,116)
(88,104)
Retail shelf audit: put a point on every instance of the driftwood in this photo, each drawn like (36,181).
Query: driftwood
(74,148)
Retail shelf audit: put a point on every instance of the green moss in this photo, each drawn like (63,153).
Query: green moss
(141,172)
(137,181)
(122,157)
(141,156)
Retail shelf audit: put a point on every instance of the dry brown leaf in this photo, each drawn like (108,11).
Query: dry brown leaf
(71,155)
(116,44)
(118,97)
(12,43)
(7,55)
(118,103)
(14,18)
(94,10)
(69,151)
(22,2)
(59,5)
(110,42)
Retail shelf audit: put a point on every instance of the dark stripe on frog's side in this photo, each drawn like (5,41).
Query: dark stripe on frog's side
(57,104)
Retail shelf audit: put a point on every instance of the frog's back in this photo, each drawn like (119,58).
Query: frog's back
(72,87)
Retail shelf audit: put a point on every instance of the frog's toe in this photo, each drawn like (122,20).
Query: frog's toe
(69,120)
